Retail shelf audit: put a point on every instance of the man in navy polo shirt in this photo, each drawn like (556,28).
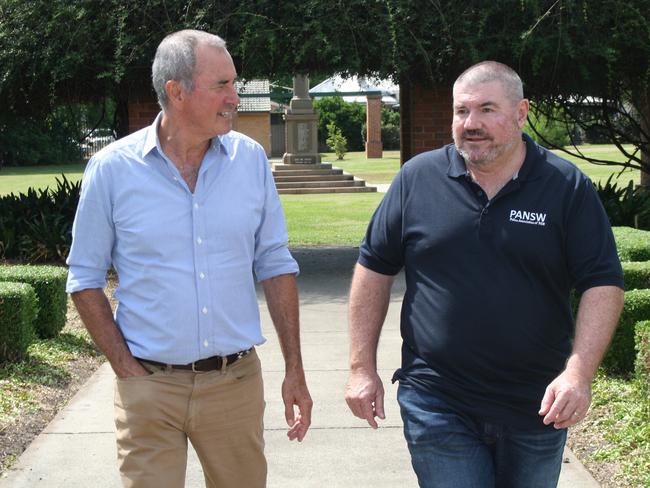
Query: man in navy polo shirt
(493,232)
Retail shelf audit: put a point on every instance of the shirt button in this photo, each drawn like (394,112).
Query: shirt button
(196,206)
(199,240)
(205,343)
(204,310)
(201,275)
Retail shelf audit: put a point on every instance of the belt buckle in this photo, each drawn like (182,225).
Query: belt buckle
(194,370)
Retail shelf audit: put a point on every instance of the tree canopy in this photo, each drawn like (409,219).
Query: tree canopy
(565,50)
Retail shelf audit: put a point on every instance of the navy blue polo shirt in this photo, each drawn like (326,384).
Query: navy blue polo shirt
(486,320)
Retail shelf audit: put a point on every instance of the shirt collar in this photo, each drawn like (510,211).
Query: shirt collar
(152,141)
(458,168)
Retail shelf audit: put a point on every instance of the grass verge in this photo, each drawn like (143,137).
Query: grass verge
(614,439)
(33,390)
(327,220)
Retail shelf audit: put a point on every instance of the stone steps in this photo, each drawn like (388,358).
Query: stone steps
(316,178)
(320,184)
(350,189)
(306,178)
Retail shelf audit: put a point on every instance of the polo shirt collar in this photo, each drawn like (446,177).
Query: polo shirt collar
(458,168)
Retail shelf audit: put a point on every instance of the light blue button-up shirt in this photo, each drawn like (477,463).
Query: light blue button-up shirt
(185,261)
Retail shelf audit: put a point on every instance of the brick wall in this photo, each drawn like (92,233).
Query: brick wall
(142,111)
(374,147)
(256,125)
(426,113)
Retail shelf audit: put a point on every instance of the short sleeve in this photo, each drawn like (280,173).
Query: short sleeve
(381,249)
(591,248)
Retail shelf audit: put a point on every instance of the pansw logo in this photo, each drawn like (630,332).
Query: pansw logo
(523,217)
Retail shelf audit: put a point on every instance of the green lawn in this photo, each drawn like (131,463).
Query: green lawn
(328,219)
(372,170)
(313,220)
(599,172)
(19,179)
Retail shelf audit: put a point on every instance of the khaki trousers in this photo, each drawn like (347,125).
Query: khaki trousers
(220,412)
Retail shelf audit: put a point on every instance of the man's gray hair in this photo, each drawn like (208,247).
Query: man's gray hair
(176,60)
(489,71)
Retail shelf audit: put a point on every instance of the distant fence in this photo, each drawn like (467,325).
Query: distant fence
(94,143)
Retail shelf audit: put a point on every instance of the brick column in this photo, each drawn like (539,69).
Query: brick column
(426,113)
(374,146)
(142,110)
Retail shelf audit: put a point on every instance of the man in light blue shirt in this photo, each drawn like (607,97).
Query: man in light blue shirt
(186,211)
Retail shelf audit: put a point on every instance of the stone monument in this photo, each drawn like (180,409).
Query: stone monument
(301,126)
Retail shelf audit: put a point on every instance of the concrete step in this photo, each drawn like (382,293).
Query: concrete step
(320,184)
(350,189)
(301,167)
(290,179)
(298,172)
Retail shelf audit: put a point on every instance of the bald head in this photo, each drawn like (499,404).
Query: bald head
(493,71)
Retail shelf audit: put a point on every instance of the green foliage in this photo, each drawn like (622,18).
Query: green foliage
(632,244)
(548,130)
(35,140)
(620,356)
(642,363)
(390,129)
(618,422)
(336,141)
(49,284)
(348,117)
(18,310)
(37,226)
(625,206)
(636,275)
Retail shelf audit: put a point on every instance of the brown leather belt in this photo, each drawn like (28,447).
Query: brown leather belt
(203,365)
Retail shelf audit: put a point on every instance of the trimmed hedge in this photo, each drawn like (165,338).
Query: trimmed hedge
(632,244)
(18,310)
(642,365)
(620,356)
(636,275)
(49,285)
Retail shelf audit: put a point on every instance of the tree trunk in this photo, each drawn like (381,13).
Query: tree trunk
(645,138)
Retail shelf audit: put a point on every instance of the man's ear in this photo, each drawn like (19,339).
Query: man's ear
(522,112)
(174,90)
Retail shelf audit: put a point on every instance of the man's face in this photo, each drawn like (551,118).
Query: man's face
(486,125)
(212,105)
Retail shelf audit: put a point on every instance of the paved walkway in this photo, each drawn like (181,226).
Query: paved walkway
(77,449)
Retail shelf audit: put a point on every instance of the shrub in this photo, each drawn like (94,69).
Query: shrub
(18,310)
(636,275)
(49,284)
(349,117)
(642,364)
(628,205)
(549,127)
(32,140)
(620,356)
(632,244)
(337,141)
(37,226)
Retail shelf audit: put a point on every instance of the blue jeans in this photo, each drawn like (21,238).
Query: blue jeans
(452,451)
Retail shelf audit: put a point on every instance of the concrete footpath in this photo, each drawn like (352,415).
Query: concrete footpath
(77,449)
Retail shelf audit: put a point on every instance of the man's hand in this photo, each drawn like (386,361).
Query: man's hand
(295,392)
(364,394)
(566,400)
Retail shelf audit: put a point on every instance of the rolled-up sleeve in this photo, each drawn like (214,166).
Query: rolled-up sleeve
(272,256)
(93,233)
